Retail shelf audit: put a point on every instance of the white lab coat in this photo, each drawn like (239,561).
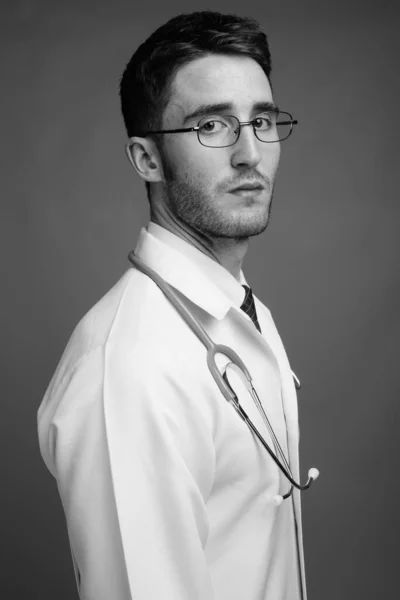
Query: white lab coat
(166,492)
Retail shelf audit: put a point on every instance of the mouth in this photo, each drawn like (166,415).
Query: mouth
(255,186)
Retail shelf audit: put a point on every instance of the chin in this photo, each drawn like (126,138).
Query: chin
(252,221)
(242,226)
(247,230)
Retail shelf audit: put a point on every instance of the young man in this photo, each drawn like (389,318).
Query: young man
(166,490)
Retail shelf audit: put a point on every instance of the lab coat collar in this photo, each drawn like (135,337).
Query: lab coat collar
(201,279)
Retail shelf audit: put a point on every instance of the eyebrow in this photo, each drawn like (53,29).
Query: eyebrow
(223,107)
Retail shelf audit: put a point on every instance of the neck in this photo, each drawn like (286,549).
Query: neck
(228,252)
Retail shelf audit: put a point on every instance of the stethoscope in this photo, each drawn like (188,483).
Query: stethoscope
(222,382)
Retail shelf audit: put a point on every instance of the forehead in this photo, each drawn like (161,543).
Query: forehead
(236,80)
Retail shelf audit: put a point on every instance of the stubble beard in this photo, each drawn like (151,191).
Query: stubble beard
(193,204)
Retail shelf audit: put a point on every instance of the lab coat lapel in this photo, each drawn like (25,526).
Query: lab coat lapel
(289,400)
(238,332)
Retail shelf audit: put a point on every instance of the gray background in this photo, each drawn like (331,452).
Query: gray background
(327,267)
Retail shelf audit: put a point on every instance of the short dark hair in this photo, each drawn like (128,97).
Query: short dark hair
(146,81)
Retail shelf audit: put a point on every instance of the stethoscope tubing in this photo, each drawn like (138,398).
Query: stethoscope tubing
(213,349)
(286,472)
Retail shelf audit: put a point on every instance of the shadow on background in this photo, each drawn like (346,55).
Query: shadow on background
(327,267)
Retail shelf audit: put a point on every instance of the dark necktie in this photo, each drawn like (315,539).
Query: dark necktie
(249,307)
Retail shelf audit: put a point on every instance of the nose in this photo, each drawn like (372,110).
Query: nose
(246,151)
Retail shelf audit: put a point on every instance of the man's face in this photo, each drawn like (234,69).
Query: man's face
(200,181)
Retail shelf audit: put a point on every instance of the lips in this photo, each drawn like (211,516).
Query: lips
(248,186)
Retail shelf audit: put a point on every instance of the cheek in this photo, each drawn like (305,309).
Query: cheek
(191,159)
(271,157)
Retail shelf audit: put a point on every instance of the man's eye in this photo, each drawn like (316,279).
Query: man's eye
(262,123)
(212,126)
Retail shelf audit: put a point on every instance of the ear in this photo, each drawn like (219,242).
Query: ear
(145,158)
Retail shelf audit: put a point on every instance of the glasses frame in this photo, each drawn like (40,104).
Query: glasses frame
(290,121)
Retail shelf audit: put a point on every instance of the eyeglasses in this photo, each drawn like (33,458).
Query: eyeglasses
(216,131)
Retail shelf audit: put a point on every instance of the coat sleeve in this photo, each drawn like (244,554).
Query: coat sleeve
(131,446)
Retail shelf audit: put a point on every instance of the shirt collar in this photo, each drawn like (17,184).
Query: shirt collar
(200,278)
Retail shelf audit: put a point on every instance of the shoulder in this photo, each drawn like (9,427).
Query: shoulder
(133,337)
(132,312)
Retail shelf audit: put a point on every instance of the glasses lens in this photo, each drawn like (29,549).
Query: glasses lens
(272,126)
(216,131)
